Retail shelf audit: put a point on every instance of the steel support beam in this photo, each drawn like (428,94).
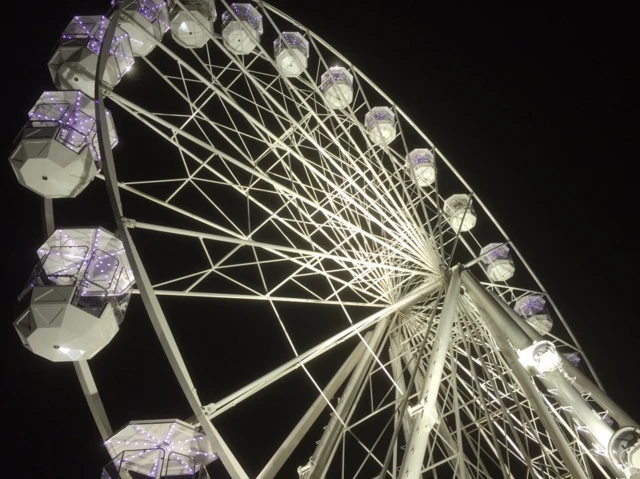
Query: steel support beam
(581,382)
(426,419)
(396,368)
(514,327)
(490,305)
(149,297)
(443,428)
(401,391)
(598,431)
(535,399)
(92,396)
(300,430)
(501,327)
(48,219)
(239,241)
(327,446)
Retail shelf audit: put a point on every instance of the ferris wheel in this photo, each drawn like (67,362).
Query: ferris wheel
(278,185)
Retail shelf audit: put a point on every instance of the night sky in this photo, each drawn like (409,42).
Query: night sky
(536,107)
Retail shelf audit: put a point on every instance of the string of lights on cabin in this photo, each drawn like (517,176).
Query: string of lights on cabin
(78,294)
(173,446)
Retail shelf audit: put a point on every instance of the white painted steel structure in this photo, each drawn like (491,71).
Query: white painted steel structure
(304,203)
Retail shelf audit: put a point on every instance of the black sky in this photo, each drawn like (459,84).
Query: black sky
(535,105)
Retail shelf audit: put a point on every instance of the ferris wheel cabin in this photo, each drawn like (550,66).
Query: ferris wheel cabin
(242,29)
(191,27)
(423,165)
(57,154)
(380,124)
(337,88)
(73,64)
(460,213)
(77,295)
(497,262)
(533,308)
(146,22)
(165,448)
(291,51)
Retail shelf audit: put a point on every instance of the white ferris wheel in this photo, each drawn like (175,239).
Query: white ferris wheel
(280,186)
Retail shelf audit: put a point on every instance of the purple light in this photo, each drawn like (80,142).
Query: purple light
(494,252)
(291,40)
(530,305)
(379,114)
(245,13)
(421,156)
(336,75)
(573,358)
(92,30)
(73,113)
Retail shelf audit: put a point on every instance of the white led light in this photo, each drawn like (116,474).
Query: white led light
(541,357)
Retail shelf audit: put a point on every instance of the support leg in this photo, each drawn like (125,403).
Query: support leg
(396,367)
(327,446)
(442,429)
(522,336)
(582,382)
(303,426)
(500,326)
(426,419)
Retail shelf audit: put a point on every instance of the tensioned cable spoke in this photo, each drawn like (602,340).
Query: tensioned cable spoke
(233,104)
(128,105)
(267,246)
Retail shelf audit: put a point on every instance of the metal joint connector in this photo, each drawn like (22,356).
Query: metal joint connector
(128,222)
(304,471)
